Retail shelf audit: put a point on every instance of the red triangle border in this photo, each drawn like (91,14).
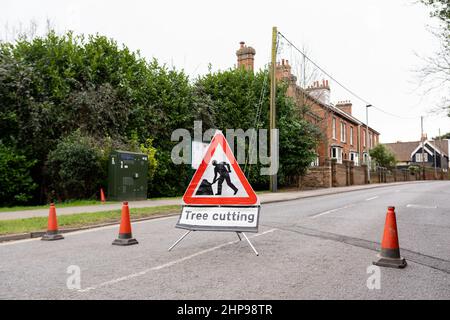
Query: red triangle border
(251,199)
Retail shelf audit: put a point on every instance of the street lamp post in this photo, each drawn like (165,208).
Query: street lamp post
(367,142)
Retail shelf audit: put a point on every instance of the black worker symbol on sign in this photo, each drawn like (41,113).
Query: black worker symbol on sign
(222,172)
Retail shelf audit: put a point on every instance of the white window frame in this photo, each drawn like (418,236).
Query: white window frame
(365,158)
(419,157)
(338,151)
(334,127)
(364,138)
(343,132)
(351,135)
(355,156)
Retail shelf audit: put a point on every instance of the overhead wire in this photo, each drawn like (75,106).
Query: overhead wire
(342,85)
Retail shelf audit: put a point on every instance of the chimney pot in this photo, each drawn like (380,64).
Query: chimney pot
(242,43)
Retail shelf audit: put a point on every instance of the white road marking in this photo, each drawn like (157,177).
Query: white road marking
(372,198)
(169,264)
(330,211)
(419,206)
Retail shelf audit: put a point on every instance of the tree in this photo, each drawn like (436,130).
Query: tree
(237,102)
(444,136)
(383,157)
(15,179)
(434,76)
(440,9)
(74,168)
(54,85)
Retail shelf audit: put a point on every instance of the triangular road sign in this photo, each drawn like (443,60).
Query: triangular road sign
(219,180)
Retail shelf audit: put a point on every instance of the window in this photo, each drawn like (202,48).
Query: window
(334,128)
(370,140)
(336,153)
(351,135)
(354,156)
(365,158)
(419,157)
(364,138)
(343,132)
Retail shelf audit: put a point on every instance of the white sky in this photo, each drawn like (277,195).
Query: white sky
(368,45)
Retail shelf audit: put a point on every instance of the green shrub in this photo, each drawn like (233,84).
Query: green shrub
(74,168)
(16,184)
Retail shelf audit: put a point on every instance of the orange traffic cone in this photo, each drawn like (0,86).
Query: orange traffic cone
(52,228)
(102,196)
(390,250)
(125,236)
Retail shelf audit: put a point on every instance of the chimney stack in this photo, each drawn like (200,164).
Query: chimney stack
(245,56)
(320,91)
(345,106)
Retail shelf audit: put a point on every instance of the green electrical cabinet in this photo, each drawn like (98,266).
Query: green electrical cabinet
(127,176)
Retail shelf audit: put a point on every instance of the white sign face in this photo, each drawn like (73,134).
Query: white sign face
(221,177)
(222,218)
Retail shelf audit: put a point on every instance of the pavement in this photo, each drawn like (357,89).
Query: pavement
(264,198)
(319,247)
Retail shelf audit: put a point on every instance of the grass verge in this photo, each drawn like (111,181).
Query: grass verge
(74,203)
(80,219)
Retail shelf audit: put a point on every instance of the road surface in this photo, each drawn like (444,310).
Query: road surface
(313,248)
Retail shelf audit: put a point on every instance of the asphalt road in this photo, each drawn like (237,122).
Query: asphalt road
(313,248)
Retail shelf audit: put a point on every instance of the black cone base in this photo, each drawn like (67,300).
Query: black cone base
(125,242)
(50,236)
(390,262)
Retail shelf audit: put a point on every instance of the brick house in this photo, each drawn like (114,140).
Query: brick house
(344,136)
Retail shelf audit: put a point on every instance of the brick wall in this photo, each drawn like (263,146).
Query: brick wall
(360,175)
(340,173)
(316,177)
(346,174)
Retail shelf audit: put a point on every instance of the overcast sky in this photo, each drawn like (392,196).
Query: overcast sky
(369,46)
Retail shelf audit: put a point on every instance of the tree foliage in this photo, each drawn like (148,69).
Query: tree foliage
(15,179)
(74,168)
(68,100)
(434,75)
(383,157)
(239,99)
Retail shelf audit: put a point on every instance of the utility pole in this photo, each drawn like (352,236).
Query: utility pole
(440,148)
(273,92)
(423,148)
(367,142)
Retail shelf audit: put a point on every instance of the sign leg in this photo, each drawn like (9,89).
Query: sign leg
(239,236)
(256,252)
(179,240)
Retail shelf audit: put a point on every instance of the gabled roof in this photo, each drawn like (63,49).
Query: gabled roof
(440,145)
(420,147)
(334,109)
(403,151)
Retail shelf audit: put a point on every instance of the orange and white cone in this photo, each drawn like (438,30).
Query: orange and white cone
(102,196)
(52,227)
(390,249)
(125,236)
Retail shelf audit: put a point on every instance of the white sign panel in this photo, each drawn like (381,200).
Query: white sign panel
(223,218)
